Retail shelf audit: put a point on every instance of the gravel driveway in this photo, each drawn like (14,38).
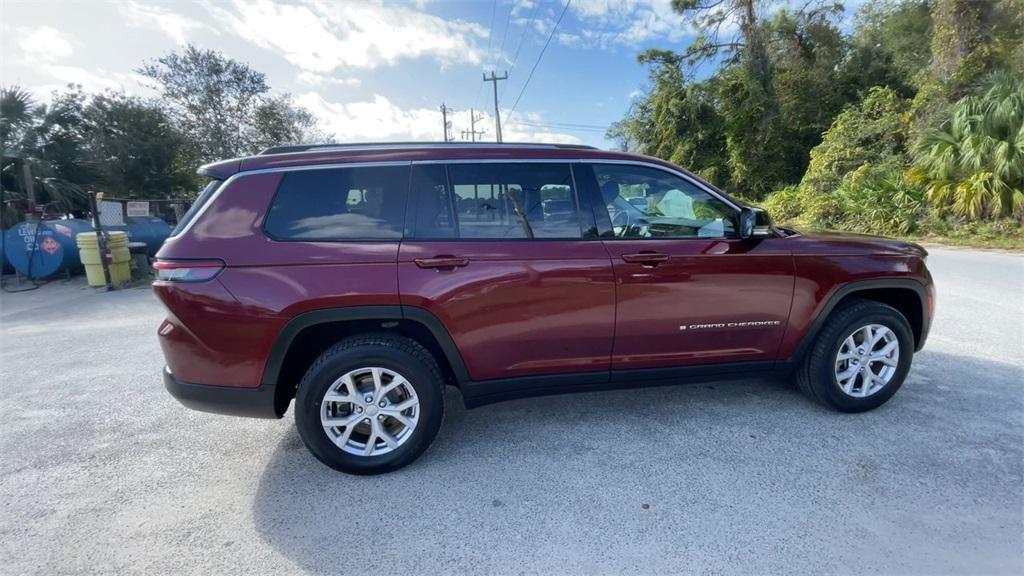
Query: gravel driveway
(102,472)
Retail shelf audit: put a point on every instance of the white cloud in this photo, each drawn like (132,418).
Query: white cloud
(522,6)
(314,79)
(91,81)
(321,36)
(627,22)
(45,44)
(379,120)
(160,19)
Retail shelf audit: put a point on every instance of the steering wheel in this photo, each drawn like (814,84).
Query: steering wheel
(621,222)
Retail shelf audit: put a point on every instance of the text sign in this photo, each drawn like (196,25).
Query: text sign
(138,209)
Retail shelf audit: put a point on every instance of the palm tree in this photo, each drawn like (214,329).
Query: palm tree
(15,115)
(42,150)
(974,163)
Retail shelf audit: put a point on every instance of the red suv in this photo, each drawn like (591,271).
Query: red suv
(362,279)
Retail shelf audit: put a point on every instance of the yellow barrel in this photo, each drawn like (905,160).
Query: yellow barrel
(120,264)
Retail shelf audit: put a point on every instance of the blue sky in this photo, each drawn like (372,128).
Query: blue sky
(368,70)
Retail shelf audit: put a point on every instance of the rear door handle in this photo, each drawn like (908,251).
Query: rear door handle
(441,262)
(646,258)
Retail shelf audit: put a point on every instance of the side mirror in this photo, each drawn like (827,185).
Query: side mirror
(754,223)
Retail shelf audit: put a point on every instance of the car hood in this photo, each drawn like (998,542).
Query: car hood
(853,243)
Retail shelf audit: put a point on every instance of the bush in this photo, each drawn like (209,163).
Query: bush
(973,165)
(871,132)
(879,200)
(801,207)
(871,199)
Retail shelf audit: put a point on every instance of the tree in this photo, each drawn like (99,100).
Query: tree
(973,164)
(211,97)
(44,141)
(136,150)
(807,52)
(772,89)
(871,132)
(890,46)
(278,121)
(222,106)
(750,126)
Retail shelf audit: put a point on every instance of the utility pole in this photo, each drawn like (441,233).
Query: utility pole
(444,121)
(473,132)
(497,113)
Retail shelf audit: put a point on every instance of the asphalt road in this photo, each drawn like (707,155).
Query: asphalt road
(102,472)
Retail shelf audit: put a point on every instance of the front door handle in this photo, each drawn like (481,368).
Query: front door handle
(441,262)
(646,258)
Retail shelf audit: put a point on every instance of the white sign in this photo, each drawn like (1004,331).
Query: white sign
(138,209)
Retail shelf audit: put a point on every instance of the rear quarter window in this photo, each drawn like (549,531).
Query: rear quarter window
(203,198)
(340,204)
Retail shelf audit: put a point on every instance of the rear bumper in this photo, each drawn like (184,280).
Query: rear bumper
(250,402)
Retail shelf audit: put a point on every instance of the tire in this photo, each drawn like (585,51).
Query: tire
(818,375)
(372,363)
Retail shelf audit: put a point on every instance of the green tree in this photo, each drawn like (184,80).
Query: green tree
(871,132)
(136,151)
(890,46)
(47,139)
(973,164)
(808,82)
(223,106)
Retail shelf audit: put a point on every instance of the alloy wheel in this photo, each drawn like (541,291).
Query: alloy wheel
(867,360)
(370,411)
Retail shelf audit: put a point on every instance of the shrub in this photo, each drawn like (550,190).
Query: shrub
(879,200)
(973,165)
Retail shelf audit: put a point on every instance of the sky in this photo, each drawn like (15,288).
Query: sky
(369,70)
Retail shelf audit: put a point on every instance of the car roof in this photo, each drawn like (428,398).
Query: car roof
(290,156)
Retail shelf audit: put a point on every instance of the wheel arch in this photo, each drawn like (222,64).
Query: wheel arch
(908,296)
(307,335)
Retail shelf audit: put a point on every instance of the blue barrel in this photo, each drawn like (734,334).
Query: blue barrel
(42,249)
(149,229)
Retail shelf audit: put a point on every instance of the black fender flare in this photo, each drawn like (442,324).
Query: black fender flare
(283,342)
(855,286)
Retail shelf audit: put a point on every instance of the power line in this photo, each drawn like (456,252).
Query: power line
(508,23)
(523,35)
(490,31)
(560,125)
(487,54)
(539,56)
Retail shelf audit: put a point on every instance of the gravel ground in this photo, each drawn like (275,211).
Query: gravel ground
(102,472)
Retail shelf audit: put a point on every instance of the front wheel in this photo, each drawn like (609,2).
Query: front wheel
(860,357)
(370,404)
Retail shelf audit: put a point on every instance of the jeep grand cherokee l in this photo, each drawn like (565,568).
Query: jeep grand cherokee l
(360,280)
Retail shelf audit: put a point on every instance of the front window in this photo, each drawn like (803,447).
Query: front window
(650,203)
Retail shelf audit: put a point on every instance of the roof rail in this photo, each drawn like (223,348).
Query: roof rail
(370,145)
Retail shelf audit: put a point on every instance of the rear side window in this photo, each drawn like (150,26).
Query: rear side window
(507,201)
(340,204)
(201,201)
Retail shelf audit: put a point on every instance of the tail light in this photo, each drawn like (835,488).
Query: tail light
(187,270)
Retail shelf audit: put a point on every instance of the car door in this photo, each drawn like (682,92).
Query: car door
(497,252)
(688,290)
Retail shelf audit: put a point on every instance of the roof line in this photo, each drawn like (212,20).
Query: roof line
(407,145)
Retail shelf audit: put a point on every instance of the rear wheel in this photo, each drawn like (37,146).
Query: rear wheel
(860,357)
(370,404)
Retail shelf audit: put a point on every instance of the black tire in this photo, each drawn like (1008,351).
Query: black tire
(397,353)
(816,375)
